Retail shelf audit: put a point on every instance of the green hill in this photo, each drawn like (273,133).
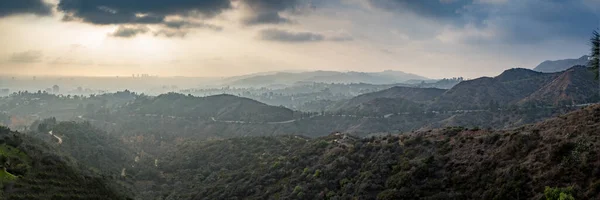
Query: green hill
(221,107)
(450,163)
(32,171)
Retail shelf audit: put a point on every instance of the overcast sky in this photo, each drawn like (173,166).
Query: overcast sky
(433,38)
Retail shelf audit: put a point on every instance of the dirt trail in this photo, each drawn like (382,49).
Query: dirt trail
(58,138)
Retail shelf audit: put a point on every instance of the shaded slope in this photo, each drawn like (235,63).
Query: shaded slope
(381,106)
(41,174)
(474,94)
(451,163)
(406,96)
(574,86)
(522,87)
(222,107)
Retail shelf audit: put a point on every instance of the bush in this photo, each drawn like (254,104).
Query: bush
(559,193)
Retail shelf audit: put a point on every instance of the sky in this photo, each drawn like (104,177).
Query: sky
(217,38)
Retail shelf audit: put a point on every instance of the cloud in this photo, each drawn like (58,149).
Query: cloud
(181,24)
(180,28)
(510,21)
(339,36)
(288,36)
(26,57)
(265,18)
(124,31)
(139,11)
(71,61)
(15,7)
(279,35)
(171,33)
(438,9)
(270,11)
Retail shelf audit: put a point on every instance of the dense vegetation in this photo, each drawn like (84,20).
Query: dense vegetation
(221,107)
(451,163)
(30,170)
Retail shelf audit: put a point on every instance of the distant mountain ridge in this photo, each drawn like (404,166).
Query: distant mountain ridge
(550,66)
(573,86)
(288,78)
(513,87)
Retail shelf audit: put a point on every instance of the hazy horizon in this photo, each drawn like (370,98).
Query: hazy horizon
(224,38)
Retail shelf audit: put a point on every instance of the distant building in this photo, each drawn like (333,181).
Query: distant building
(55,89)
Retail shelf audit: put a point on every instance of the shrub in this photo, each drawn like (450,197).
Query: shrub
(559,193)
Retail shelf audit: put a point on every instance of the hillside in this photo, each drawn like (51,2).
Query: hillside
(474,94)
(560,65)
(31,170)
(406,96)
(522,87)
(381,106)
(220,107)
(451,163)
(574,86)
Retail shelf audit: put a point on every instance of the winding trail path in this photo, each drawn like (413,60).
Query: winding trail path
(58,138)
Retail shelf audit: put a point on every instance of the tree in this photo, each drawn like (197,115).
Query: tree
(595,56)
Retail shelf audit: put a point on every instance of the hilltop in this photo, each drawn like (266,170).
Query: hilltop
(522,87)
(394,100)
(219,107)
(560,65)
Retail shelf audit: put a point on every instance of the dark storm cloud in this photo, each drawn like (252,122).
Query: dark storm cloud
(515,21)
(278,35)
(269,11)
(15,7)
(129,31)
(155,11)
(26,57)
(139,11)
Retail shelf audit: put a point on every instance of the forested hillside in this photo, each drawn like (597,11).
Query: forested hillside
(394,100)
(450,163)
(32,170)
(221,107)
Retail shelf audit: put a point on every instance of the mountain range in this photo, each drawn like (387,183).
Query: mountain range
(561,65)
(513,87)
(289,78)
(521,87)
